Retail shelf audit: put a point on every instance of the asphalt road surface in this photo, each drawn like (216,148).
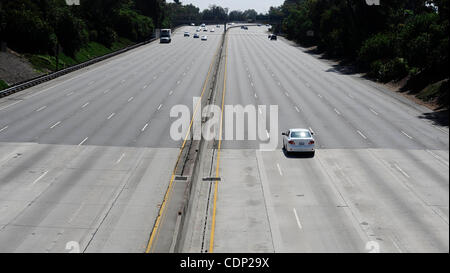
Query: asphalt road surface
(379,181)
(85,159)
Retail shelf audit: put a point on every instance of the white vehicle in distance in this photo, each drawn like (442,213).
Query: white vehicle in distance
(299,140)
(212,30)
(165,36)
(199,29)
(205,29)
(192,24)
(186,34)
(196,35)
(204,38)
(202,25)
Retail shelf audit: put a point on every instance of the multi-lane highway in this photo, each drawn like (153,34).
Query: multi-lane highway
(87,158)
(379,180)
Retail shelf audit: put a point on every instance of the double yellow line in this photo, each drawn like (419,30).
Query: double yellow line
(213,224)
(161,213)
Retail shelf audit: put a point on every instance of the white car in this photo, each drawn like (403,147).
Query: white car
(196,35)
(204,38)
(212,30)
(299,140)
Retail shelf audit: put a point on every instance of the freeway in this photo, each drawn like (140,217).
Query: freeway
(85,159)
(379,181)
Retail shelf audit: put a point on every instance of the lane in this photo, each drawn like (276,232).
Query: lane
(85,160)
(36,129)
(379,177)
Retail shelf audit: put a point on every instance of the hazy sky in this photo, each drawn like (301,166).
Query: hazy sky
(259,5)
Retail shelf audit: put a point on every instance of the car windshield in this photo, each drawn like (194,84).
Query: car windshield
(302,134)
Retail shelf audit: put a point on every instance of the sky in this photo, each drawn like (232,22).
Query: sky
(261,6)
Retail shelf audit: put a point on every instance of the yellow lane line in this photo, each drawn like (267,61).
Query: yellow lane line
(168,193)
(213,224)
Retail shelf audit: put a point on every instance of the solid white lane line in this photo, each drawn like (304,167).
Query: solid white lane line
(373,111)
(159,107)
(279,169)
(130,99)
(361,134)
(68,94)
(287,94)
(170,93)
(120,158)
(268,135)
(54,125)
(4,128)
(82,142)
(400,170)
(9,105)
(112,115)
(84,105)
(40,109)
(297,109)
(408,136)
(145,127)
(337,112)
(296,218)
(39,178)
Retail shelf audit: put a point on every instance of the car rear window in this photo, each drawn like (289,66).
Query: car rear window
(304,134)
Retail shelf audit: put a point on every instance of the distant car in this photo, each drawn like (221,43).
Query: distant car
(203,25)
(273,37)
(192,24)
(196,35)
(205,29)
(218,26)
(299,140)
(259,25)
(212,30)
(246,28)
(186,34)
(204,38)
(242,27)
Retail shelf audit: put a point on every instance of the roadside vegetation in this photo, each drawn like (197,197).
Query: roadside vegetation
(3,85)
(398,40)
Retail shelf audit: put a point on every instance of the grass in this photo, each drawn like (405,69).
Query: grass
(430,92)
(47,63)
(3,85)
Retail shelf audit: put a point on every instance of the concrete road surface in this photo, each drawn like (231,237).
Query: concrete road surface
(379,181)
(86,159)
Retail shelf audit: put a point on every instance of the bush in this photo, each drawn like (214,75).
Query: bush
(389,70)
(381,45)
